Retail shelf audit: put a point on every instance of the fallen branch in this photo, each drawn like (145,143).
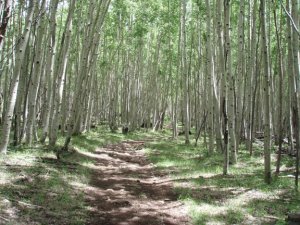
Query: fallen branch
(30,205)
(61,164)
(272,217)
(133,142)
(288,176)
(24,203)
(16,165)
(1,217)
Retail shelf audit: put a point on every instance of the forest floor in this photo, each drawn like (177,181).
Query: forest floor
(126,189)
(141,178)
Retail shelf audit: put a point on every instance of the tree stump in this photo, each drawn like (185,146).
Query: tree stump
(125,129)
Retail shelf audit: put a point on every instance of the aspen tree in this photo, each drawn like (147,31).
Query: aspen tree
(20,55)
(49,68)
(209,74)
(91,35)
(175,101)
(184,71)
(36,73)
(240,73)
(60,76)
(251,72)
(266,86)
(290,71)
(222,68)
(230,82)
(280,95)
(296,88)
(20,107)
(4,20)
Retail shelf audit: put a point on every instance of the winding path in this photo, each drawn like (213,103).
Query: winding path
(126,189)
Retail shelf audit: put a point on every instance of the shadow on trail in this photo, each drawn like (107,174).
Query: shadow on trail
(125,189)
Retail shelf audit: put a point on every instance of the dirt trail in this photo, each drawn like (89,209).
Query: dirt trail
(127,190)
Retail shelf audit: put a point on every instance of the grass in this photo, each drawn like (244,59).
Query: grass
(241,197)
(102,136)
(212,198)
(34,187)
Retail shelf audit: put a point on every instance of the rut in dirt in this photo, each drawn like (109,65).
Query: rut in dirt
(126,189)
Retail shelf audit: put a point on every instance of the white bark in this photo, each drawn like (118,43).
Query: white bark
(36,75)
(20,54)
(184,71)
(266,86)
(51,53)
(230,81)
(59,82)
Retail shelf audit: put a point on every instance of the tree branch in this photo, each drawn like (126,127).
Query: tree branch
(291,18)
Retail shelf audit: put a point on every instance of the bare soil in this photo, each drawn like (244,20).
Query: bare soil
(126,189)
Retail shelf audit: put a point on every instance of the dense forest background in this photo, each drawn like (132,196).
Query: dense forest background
(224,73)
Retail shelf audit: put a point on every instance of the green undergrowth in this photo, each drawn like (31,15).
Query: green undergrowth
(102,136)
(36,188)
(241,197)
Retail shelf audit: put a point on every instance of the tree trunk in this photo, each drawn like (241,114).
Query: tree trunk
(266,86)
(296,74)
(20,54)
(280,96)
(185,72)
(50,55)
(230,81)
(36,75)
(5,19)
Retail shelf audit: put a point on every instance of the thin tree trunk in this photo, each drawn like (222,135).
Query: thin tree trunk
(266,86)
(210,75)
(185,72)
(36,75)
(230,81)
(5,19)
(20,55)
(296,74)
(280,100)
(51,54)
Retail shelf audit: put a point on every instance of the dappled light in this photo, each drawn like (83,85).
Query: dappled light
(39,189)
(139,178)
(238,198)
(127,190)
(149,112)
